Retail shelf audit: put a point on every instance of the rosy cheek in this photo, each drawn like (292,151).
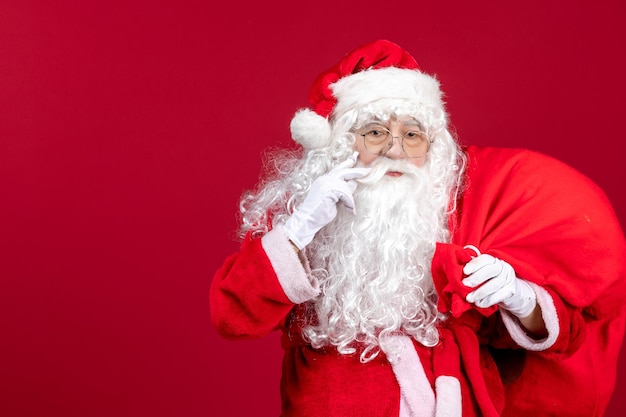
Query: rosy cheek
(418,162)
(366,159)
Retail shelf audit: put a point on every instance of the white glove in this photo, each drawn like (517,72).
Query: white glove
(320,205)
(500,286)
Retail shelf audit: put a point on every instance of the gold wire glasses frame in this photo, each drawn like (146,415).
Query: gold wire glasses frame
(379,140)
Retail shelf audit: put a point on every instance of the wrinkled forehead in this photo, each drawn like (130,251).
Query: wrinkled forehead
(385,111)
(385,119)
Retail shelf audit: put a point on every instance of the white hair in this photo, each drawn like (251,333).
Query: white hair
(374,268)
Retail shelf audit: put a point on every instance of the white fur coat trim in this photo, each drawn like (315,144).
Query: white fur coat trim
(551,319)
(294,276)
(417,398)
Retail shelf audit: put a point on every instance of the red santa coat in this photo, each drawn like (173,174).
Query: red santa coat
(557,230)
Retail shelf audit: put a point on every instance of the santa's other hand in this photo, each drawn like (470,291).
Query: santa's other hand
(494,282)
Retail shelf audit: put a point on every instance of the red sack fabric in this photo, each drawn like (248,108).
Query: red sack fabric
(558,230)
(451,290)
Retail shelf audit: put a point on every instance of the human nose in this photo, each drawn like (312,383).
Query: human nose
(395,150)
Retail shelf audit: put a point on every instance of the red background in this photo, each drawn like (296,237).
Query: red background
(129,131)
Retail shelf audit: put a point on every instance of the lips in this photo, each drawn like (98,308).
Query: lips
(394,173)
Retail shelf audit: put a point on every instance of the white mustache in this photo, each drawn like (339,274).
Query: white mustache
(384,165)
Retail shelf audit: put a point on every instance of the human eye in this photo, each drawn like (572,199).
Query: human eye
(414,135)
(375,133)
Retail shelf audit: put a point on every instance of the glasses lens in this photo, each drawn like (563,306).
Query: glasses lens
(376,139)
(415,144)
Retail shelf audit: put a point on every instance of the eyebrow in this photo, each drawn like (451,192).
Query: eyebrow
(413,122)
(374,119)
(378,121)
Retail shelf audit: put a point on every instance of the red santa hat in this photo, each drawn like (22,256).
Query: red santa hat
(375,71)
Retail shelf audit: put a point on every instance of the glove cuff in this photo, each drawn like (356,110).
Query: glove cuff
(524,302)
(291,235)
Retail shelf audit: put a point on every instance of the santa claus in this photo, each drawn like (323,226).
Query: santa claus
(413,277)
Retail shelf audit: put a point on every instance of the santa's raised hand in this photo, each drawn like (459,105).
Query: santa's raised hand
(320,205)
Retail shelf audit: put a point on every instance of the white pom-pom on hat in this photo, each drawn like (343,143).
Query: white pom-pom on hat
(309,129)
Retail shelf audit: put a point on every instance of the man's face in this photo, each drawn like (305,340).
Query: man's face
(384,139)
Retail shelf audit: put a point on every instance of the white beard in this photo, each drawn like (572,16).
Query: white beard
(374,267)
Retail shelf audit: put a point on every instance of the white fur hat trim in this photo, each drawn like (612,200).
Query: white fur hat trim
(371,85)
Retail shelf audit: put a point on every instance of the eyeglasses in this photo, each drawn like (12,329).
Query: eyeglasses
(379,140)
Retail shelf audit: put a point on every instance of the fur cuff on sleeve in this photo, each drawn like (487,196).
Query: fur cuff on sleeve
(293,273)
(550,317)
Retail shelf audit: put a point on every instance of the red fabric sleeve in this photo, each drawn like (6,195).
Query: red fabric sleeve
(246,298)
(447,270)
